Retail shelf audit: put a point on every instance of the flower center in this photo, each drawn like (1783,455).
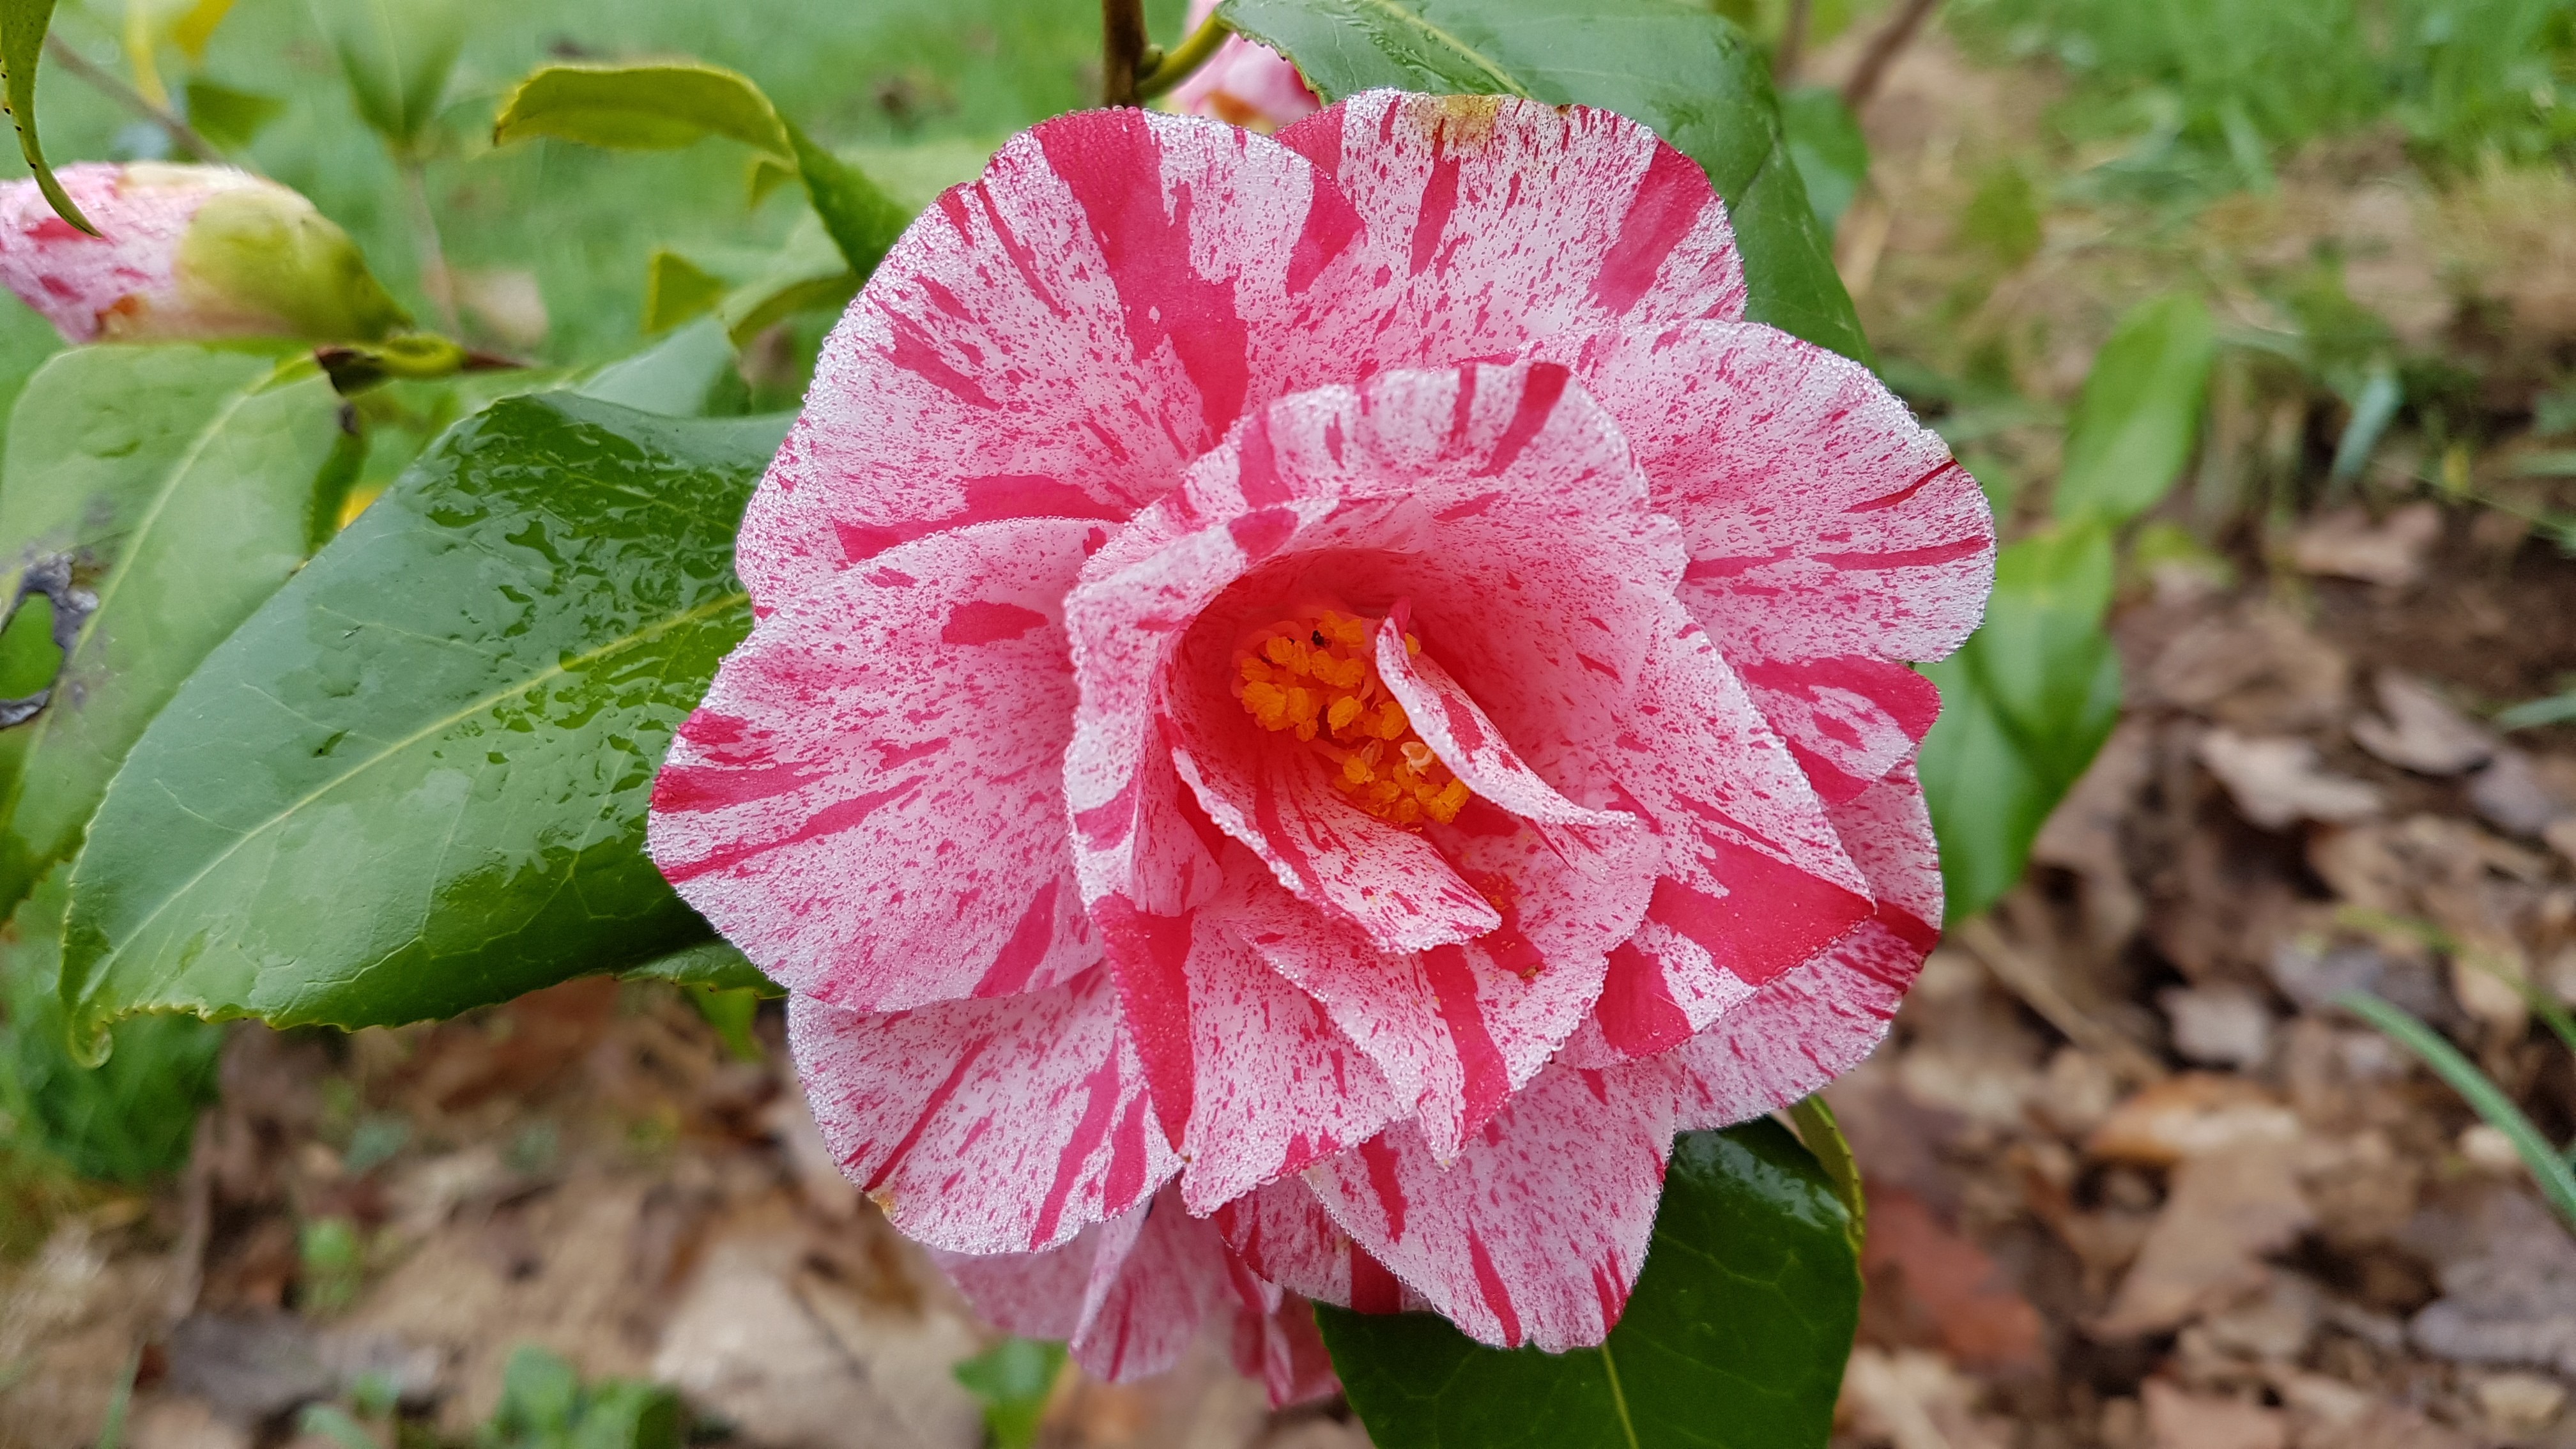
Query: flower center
(1314,675)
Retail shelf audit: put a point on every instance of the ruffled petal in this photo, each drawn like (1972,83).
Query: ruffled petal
(1060,338)
(1455,1030)
(1504,220)
(1250,1077)
(1283,1234)
(1466,740)
(1536,1233)
(1848,720)
(997,1126)
(1817,1022)
(1755,877)
(869,801)
(1127,1294)
(1282,1347)
(1823,520)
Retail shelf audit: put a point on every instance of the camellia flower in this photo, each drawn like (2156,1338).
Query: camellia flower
(1314,701)
(187,252)
(1245,82)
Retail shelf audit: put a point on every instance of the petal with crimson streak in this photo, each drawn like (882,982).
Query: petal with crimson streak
(1455,1030)
(995,1126)
(1505,220)
(1823,520)
(1817,1022)
(1127,1294)
(1848,720)
(1061,337)
(868,802)
(1536,1233)
(1753,873)
(1283,1234)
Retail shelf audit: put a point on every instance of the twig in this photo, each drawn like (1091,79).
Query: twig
(1884,47)
(1122,50)
(106,83)
(1793,42)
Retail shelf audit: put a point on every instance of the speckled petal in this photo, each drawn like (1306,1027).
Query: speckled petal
(1815,1023)
(868,802)
(986,1126)
(1536,1233)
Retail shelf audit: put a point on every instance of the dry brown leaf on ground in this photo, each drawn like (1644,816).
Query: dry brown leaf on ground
(2083,835)
(2508,1293)
(2224,1213)
(1930,1286)
(2193,1115)
(2219,1025)
(2180,1420)
(1912,1399)
(2278,781)
(2523,793)
(2349,544)
(2257,669)
(2418,730)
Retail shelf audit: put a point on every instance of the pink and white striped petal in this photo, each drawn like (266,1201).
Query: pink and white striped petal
(1282,1347)
(1250,1076)
(1811,1025)
(868,802)
(1754,872)
(1536,1233)
(1508,220)
(1061,337)
(997,1126)
(1454,1030)
(1127,1294)
(1465,739)
(1823,521)
(1283,1234)
(1848,720)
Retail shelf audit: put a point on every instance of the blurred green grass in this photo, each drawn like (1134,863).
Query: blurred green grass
(879,73)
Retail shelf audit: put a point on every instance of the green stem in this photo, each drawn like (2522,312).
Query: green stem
(1177,64)
(2556,1178)
(105,82)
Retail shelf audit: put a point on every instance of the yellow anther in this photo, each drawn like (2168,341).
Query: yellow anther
(1315,675)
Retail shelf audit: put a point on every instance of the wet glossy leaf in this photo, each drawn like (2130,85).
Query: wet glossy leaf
(688,374)
(185,485)
(2025,705)
(415,781)
(22,40)
(1734,1339)
(1681,69)
(712,964)
(1825,140)
(2139,415)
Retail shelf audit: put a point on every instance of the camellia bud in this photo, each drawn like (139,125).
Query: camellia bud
(1245,83)
(188,252)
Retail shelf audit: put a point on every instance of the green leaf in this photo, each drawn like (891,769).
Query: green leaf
(677,289)
(2557,1178)
(715,965)
(670,104)
(230,117)
(654,107)
(185,484)
(1813,1117)
(23,24)
(688,374)
(397,56)
(1825,140)
(415,781)
(129,1121)
(1734,1339)
(1012,1380)
(2135,424)
(2025,705)
(1681,69)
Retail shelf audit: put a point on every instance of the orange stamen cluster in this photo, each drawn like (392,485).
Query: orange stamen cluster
(1314,675)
